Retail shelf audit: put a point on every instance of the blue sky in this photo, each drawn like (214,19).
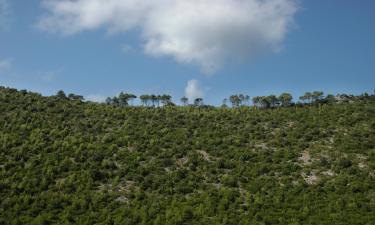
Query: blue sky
(328,46)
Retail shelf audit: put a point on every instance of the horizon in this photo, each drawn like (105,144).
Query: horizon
(136,100)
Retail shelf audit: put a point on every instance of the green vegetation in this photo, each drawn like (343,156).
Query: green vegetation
(65,161)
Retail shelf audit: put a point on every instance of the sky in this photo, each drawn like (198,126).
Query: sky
(197,48)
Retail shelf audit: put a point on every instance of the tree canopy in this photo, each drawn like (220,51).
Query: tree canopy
(67,161)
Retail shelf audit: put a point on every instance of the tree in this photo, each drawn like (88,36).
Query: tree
(75,97)
(184,101)
(256,101)
(285,99)
(265,102)
(131,97)
(125,98)
(247,100)
(239,100)
(330,99)
(235,100)
(159,99)
(115,101)
(302,98)
(61,94)
(317,96)
(109,101)
(307,97)
(166,100)
(273,101)
(154,100)
(198,102)
(145,100)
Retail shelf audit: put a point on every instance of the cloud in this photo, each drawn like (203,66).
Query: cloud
(5,64)
(4,14)
(193,90)
(206,33)
(95,98)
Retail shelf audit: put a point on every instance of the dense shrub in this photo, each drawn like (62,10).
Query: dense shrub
(65,161)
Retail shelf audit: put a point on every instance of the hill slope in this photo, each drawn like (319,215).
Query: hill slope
(69,162)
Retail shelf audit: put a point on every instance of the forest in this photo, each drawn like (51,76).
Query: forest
(262,160)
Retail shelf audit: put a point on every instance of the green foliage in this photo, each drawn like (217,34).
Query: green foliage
(65,161)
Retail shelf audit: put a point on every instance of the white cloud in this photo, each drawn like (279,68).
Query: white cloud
(203,32)
(5,64)
(4,14)
(193,90)
(95,98)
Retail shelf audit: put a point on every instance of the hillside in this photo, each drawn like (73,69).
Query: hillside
(73,162)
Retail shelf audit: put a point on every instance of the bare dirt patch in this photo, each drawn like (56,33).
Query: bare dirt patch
(205,155)
(182,161)
(329,173)
(305,158)
(311,178)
